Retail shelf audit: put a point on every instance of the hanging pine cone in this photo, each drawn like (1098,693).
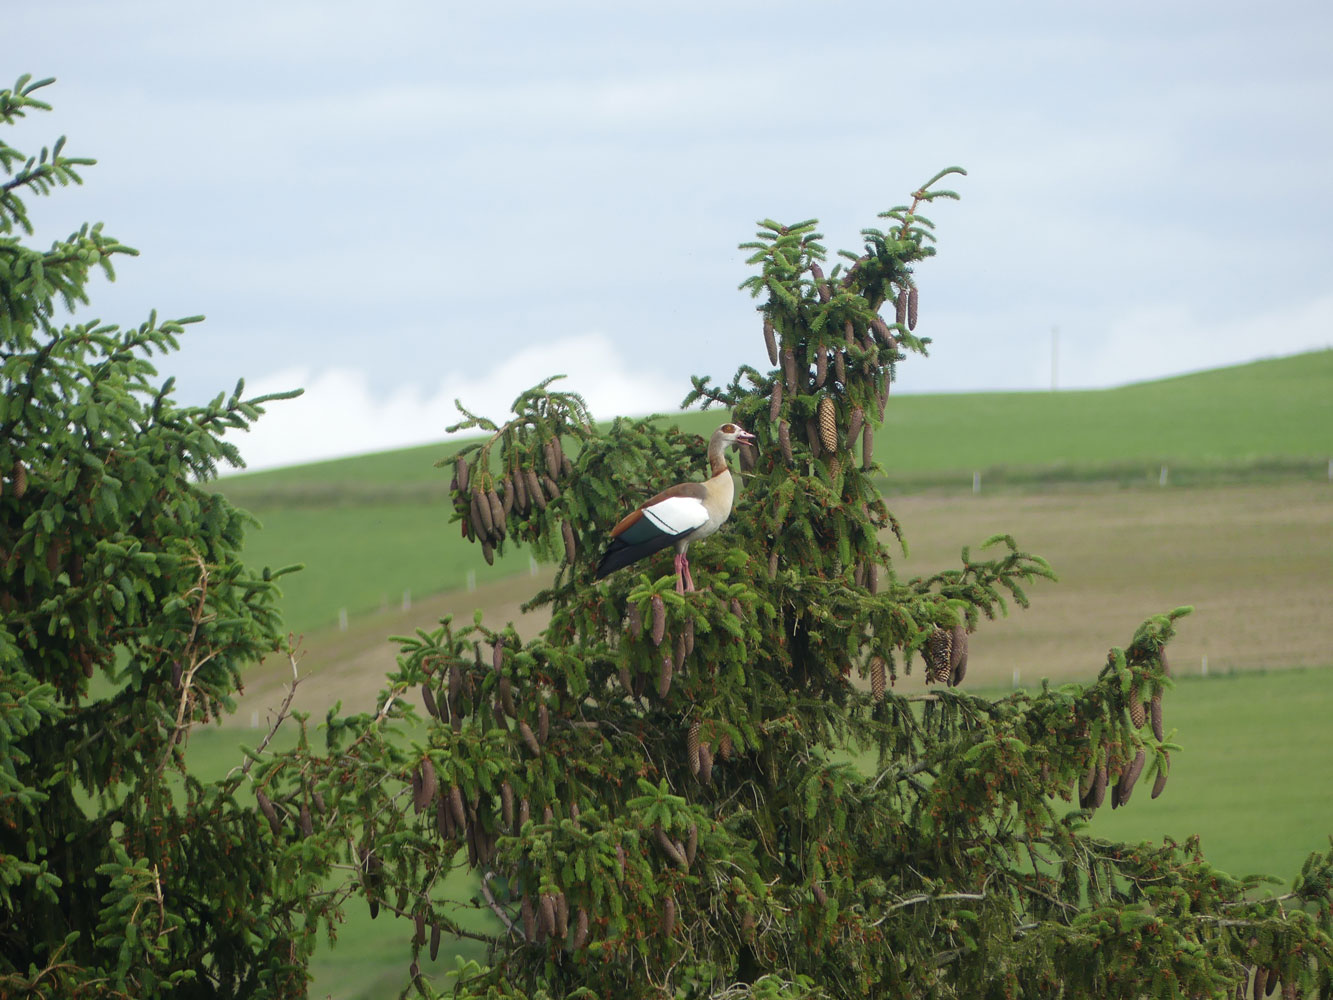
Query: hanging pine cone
(911,308)
(20,480)
(775,401)
(529,737)
(784,442)
(849,333)
(1099,785)
(521,499)
(828,424)
(270,813)
(1137,716)
(659,619)
(1156,714)
(678,652)
(1131,776)
(529,919)
(789,370)
(900,307)
(535,493)
(497,510)
(634,620)
(567,531)
(689,636)
(867,447)
(821,366)
(854,426)
(664,677)
(1160,784)
(812,436)
(692,747)
(705,764)
(770,341)
(461,471)
(938,652)
(957,654)
(877,678)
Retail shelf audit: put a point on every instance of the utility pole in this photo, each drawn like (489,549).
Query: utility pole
(1055,357)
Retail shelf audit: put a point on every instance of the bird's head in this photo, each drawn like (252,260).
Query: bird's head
(732,434)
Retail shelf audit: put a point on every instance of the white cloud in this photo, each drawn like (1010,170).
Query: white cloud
(340,415)
(1165,339)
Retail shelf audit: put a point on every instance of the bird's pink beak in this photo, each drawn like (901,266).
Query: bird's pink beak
(745,436)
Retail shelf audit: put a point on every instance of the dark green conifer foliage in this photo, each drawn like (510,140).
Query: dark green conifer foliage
(127,618)
(698,796)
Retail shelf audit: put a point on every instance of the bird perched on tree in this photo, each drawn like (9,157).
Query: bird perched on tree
(677,516)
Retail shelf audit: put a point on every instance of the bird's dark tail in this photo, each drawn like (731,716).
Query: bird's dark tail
(621,553)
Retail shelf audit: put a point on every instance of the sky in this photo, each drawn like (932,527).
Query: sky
(397,205)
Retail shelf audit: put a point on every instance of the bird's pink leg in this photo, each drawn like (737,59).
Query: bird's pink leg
(682,571)
(689,580)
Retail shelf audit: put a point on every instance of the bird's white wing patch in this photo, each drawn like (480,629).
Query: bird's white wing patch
(677,515)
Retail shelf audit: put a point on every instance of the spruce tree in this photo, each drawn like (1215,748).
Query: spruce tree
(774,785)
(128,618)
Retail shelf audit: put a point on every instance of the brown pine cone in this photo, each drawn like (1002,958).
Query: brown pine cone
(784,442)
(789,370)
(521,499)
(692,747)
(461,471)
(1156,714)
(854,426)
(664,677)
(775,401)
(877,678)
(705,764)
(570,548)
(812,436)
(529,737)
(1160,784)
(938,650)
(900,307)
(821,366)
(1137,716)
(535,493)
(867,447)
(659,619)
(497,513)
(770,341)
(828,424)
(430,782)
(911,308)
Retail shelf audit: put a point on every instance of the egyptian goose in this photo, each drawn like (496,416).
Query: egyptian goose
(677,516)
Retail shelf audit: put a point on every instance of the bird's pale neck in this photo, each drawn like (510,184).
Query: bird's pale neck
(717,455)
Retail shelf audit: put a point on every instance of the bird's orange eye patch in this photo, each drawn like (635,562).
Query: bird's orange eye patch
(728,428)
